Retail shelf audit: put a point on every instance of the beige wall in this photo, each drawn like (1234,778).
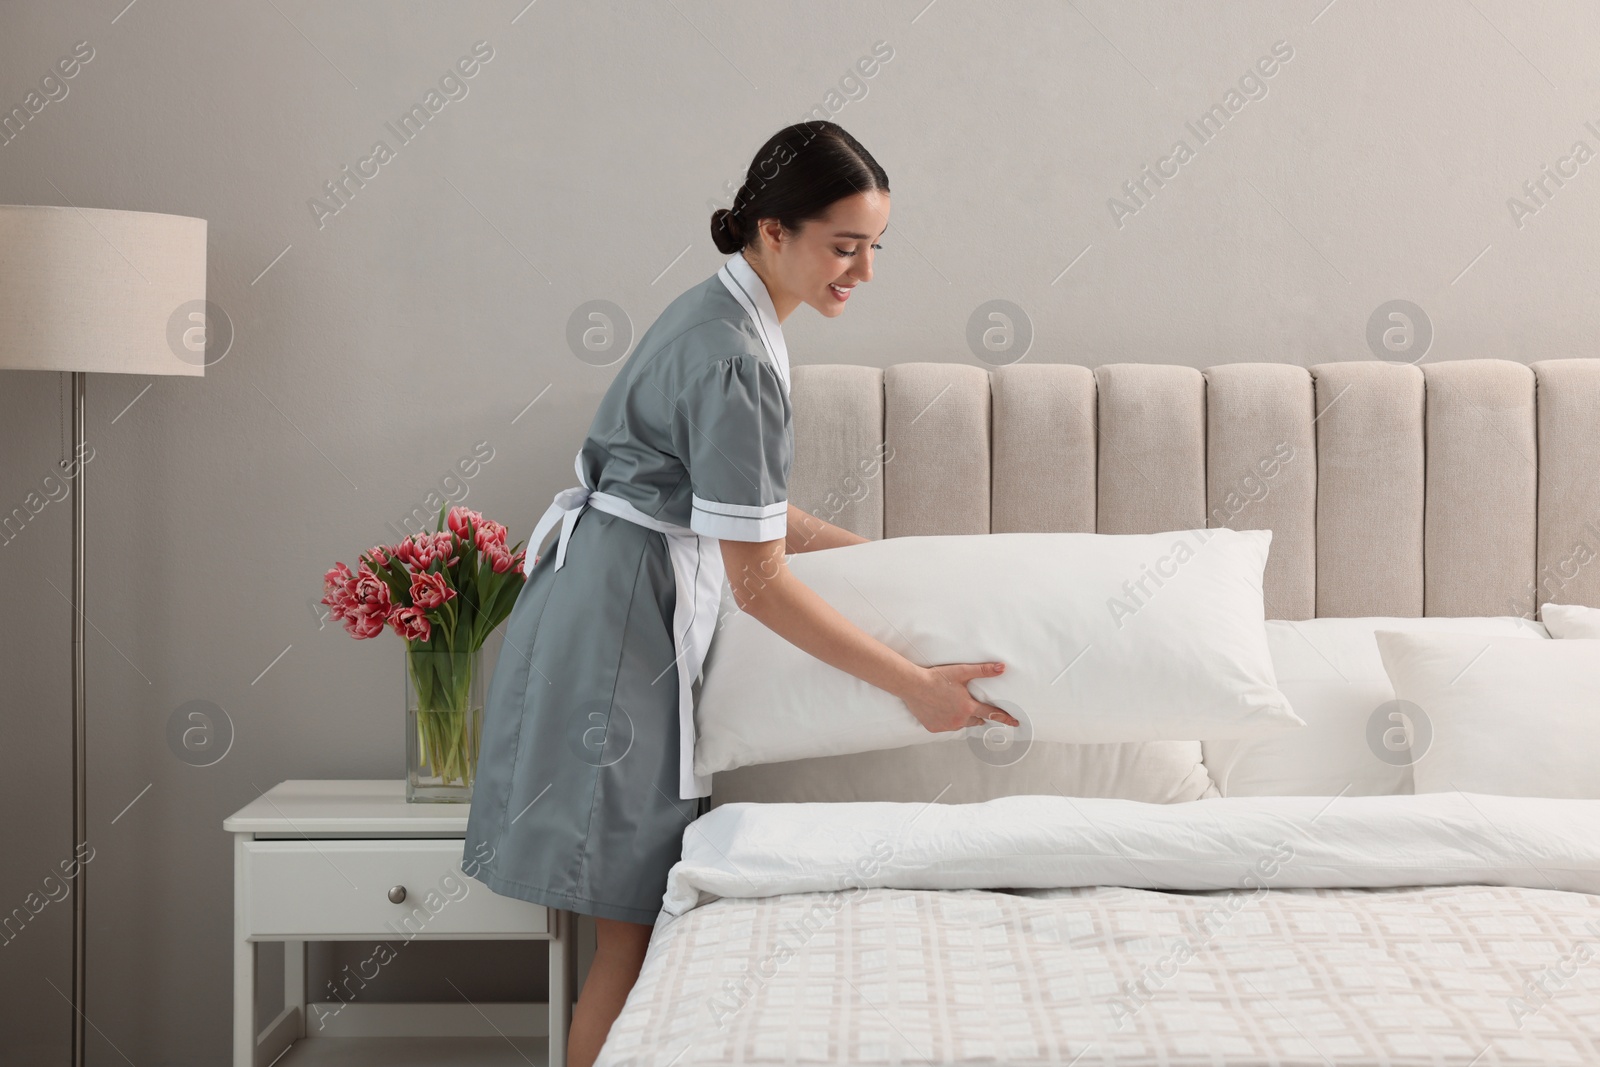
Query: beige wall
(379,343)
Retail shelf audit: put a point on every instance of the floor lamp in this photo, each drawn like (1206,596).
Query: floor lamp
(88,290)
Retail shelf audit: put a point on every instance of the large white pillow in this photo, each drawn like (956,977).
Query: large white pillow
(1105,637)
(1509,717)
(1570,620)
(1330,670)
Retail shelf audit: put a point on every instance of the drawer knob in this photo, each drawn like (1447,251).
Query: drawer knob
(398,894)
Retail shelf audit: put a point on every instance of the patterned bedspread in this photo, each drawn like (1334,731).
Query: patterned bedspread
(1455,976)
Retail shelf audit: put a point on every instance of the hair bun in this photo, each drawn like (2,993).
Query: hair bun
(727,231)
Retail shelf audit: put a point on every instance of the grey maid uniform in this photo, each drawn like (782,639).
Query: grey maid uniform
(585,778)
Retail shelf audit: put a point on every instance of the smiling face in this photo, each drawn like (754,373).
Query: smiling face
(825,259)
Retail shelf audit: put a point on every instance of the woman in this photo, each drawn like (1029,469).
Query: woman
(586,779)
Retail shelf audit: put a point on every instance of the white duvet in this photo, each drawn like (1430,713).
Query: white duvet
(759,850)
(1444,930)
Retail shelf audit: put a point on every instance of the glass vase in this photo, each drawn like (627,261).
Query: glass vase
(444,723)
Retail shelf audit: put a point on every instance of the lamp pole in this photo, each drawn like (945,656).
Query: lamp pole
(80,733)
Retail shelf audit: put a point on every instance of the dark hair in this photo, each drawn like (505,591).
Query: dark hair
(798,174)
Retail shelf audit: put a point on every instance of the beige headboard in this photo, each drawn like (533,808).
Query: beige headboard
(1456,488)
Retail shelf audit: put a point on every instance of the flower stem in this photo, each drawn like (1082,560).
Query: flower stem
(448,725)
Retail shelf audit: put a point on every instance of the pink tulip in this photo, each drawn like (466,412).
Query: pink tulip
(456,521)
(363,604)
(430,590)
(411,623)
(406,551)
(337,585)
(341,604)
(501,560)
(334,581)
(370,590)
(445,547)
(490,533)
(420,550)
(359,600)
(364,626)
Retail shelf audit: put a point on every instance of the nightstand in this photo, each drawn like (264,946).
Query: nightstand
(351,860)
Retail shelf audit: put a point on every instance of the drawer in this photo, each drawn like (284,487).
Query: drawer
(335,889)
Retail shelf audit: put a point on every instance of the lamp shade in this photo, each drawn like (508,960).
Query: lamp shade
(89,289)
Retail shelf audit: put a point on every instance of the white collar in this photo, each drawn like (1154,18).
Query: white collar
(746,285)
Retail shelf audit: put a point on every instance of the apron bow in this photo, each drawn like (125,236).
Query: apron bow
(565,507)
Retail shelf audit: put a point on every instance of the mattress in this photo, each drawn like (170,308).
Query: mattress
(1041,930)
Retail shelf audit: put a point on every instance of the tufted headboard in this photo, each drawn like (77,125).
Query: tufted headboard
(1469,487)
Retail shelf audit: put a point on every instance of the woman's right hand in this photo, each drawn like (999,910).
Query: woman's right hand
(942,702)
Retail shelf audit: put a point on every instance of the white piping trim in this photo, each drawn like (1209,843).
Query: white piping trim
(740,528)
(743,511)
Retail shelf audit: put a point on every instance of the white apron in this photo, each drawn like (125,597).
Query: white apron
(697,567)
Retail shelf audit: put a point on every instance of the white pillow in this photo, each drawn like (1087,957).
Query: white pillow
(1507,716)
(1330,670)
(1570,620)
(1105,637)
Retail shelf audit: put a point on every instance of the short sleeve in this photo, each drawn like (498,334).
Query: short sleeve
(731,423)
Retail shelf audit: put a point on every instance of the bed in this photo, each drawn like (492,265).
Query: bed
(920,905)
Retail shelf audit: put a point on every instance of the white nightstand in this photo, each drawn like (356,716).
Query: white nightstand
(353,861)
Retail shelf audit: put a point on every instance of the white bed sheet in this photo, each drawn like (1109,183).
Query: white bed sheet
(1445,929)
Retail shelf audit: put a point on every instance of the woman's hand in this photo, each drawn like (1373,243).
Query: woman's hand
(942,702)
